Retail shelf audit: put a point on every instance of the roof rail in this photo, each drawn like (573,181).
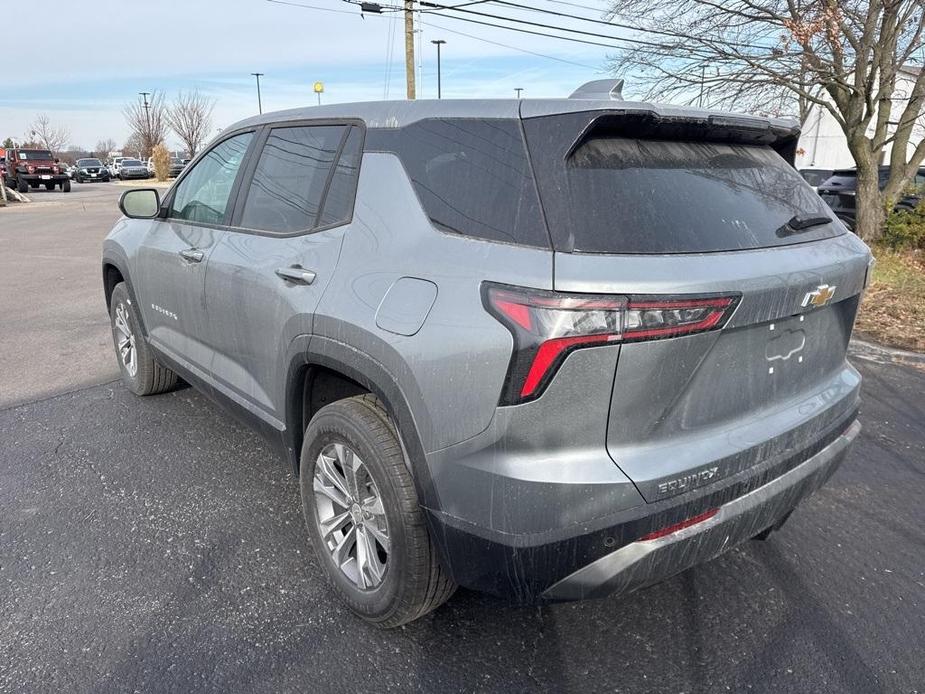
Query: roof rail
(611,89)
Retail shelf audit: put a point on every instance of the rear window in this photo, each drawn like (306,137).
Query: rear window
(472,176)
(626,195)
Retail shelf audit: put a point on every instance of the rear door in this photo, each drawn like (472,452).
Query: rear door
(268,273)
(666,219)
(173,257)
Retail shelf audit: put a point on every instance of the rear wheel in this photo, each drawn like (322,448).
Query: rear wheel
(141,372)
(363,516)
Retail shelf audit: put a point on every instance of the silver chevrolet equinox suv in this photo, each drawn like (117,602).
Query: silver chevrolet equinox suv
(548,349)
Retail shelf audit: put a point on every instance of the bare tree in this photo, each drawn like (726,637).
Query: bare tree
(133,146)
(52,138)
(773,56)
(104,147)
(147,119)
(190,117)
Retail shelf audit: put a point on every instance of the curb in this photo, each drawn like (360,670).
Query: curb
(884,355)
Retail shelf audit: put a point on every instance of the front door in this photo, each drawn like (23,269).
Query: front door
(174,255)
(267,274)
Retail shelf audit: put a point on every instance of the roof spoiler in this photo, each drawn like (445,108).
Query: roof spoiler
(606,90)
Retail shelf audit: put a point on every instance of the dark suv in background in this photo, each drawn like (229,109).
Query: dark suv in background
(90,170)
(549,349)
(839,192)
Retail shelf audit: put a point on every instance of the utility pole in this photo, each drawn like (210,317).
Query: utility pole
(518,90)
(438,43)
(145,141)
(258,75)
(409,47)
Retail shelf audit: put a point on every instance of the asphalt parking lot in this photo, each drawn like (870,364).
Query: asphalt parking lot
(156,545)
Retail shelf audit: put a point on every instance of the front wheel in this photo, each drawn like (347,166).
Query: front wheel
(141,372)
(66,186)
(363,516)
(22,186)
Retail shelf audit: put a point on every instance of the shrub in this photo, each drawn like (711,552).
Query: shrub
(161,158)
(905,229)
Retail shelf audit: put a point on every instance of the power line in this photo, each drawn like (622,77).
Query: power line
(581,32)
(311,7)
(619,25)
(507,28)
(513,48)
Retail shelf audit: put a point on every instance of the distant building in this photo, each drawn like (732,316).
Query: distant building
(823,144)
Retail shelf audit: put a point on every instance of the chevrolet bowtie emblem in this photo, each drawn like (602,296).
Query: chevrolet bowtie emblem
(820,297)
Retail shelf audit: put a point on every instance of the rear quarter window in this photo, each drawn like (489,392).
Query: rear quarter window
(472,176)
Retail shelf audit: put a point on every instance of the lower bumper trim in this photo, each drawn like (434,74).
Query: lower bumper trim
(645,562)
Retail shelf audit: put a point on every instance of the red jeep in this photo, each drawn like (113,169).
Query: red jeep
(27,168)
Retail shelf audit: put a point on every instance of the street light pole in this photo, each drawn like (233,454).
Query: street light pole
(438,43)
(518,90)
(258,75)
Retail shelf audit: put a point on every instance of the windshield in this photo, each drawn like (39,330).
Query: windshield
(627,195)
(35,154)
(131,162)
(88,162)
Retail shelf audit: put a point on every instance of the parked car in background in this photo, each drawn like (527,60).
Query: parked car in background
(114,166)
(840,189)
(815,176)
(549,349)
(90,170)
(132,168)
(176,167)
(3,168)
(31,168)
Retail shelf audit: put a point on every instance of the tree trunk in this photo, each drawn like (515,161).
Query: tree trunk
(870,210)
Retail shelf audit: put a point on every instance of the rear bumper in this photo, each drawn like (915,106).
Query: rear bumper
(642,563)
(595,559)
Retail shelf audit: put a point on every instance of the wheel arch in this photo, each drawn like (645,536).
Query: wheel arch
(114,272)
(311,355)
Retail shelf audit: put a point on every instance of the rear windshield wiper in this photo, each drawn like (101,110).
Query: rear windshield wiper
(801,222)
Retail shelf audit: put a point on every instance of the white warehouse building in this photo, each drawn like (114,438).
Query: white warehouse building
(823,145)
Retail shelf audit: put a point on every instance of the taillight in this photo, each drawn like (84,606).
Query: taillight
(547,326)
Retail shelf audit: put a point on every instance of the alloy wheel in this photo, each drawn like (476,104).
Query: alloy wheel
(350,516)
(125,340)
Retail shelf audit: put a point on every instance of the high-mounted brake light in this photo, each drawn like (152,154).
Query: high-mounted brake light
(547,326)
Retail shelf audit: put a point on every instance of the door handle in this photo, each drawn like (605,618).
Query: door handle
(193,255)
(296,274)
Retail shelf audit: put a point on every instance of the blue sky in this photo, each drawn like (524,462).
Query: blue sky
(213,45)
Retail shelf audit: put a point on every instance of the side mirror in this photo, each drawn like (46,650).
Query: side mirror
(140,203)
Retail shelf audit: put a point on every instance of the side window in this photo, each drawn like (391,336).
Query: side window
(338,203)
(471,175)
(202,196)
(292,173)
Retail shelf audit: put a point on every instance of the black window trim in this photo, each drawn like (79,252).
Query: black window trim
(167,202)
(241,193)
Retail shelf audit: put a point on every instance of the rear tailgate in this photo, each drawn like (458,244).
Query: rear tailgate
(773,381)
(670,211)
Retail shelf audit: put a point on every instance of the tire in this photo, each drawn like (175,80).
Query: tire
(79,179)
(149,377)
(66,186)
(412,582)
(22,186)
